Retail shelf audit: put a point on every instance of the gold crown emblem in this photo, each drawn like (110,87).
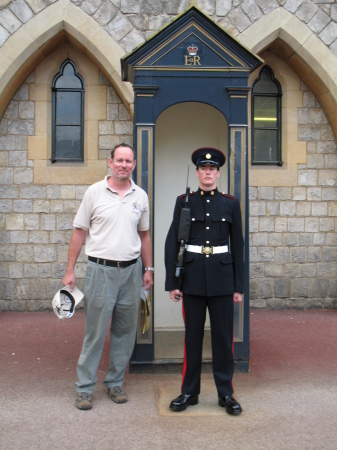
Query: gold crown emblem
(192,49)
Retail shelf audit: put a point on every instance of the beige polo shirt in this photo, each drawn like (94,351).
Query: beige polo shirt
(112,222)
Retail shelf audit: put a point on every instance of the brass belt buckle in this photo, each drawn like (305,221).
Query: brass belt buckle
(207,250)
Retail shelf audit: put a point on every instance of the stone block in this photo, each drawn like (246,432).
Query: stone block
(41,206)
(282,255)
(295,225)
(24,253)
(314,193)
(71,206)
(119,27)
(327,177)
(273,270)
(53,192)
(6,175)
(64,222)
(288,208)
(308,270)
(257,208)
(44,253)
(266,224)
(315,162)
(38,237)
(90,6)
(330,254)
(314,254)
(266,288)
(238,19)
(31,222)
(259,239)
(14,222)
(306,239)
(273,208)
(326,224)
(19,237)
(21,10)
(320,209)
(31,270)
(274,239)
(298,255)
(281,224)
(105,13)
(48,222)
(299,193)
(252,10)
(17,158)
(291,239)
(6,206)
(23,176)
(45,270)
(283,193)
(282,288)
(33,192)
(9,21)
(15,270)
(300,288)
(331,239)
(303,208)
(292,271)
(124,127)
(319,21)
(307,177)
(67,192)
(57,237)
(319,238)
(265,254)
(326,269)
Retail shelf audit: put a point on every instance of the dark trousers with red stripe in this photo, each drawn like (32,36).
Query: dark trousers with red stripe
(221,313)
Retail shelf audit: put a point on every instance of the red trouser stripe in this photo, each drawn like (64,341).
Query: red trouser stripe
(184,365)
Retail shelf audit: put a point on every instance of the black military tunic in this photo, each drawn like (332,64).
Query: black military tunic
(209,281)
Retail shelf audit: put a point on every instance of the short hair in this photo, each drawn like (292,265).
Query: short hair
(123,144)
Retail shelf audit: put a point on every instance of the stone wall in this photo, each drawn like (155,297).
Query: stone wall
(36,220)
(293,238)
(129,22)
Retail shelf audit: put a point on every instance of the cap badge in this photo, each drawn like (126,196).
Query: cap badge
(208,156)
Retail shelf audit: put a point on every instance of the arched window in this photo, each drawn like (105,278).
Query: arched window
(68,114)
(266,114)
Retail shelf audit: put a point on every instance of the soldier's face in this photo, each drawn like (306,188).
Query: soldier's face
(207,174)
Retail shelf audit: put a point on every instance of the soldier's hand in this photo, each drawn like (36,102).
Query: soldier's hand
(237,297)
(176,295)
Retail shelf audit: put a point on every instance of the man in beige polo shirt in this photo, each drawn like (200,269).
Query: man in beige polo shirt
(114,219)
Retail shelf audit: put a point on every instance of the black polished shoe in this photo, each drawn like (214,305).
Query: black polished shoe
(231,405)
(183,401)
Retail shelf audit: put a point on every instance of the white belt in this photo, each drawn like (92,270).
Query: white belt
(207,250)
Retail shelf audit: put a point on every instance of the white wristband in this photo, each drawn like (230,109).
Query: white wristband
(149,268)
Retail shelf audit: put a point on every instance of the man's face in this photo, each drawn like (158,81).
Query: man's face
(207,174)
(122,164)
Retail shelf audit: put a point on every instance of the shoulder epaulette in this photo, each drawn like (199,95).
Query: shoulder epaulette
(228,196)
(184,195)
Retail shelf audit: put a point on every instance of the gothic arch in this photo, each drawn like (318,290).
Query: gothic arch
(59,23)
(285,35)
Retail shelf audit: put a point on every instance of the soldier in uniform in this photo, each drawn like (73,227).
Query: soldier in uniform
(212,278)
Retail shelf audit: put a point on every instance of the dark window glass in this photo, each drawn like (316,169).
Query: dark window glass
(68,114)
(266,114)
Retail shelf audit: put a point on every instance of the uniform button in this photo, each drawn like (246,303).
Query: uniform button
(208,201)
(207,214)
(207,242)
(207,228)
(224,220)
(193,219)
(207,256)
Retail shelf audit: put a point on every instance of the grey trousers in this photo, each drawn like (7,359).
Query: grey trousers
(111,294)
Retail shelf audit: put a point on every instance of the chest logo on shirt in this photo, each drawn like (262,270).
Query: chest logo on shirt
(135,208)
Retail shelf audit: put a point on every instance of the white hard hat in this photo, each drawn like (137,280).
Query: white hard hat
(64,301)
